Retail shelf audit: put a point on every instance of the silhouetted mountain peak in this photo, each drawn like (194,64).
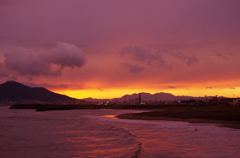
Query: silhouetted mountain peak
(15,91)
(12,84)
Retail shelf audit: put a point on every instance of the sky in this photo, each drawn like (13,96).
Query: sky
(109,48)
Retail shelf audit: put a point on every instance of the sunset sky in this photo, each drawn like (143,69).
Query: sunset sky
(109,48)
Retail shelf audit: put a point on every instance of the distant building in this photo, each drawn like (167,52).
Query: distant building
(191,101)
(140,98)
(134,101)
(236,101)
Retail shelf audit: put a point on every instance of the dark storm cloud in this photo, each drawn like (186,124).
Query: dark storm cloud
(132,68)
(30,63)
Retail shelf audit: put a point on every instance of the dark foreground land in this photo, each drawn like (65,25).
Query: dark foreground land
(228,116)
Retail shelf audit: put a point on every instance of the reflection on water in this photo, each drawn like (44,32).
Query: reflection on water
(110,116)
(85,133)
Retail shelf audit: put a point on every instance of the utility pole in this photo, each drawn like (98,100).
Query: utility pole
(140,98)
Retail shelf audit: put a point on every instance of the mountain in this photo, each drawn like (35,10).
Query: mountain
(147,96)
(15,91)
(163,97)
(153,97)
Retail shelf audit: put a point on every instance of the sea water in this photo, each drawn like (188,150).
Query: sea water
(96,133)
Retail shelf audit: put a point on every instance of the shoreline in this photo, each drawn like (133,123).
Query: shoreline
(220,123)
(226,116)
(178,115)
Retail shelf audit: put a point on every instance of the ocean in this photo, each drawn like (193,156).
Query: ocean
(97,133)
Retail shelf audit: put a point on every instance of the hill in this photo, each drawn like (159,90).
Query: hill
(153,97)
(15,91)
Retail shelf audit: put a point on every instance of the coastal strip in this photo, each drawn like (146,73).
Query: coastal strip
(224,116)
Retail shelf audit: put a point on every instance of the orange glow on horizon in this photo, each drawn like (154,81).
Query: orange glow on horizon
(212,88)
(117,93)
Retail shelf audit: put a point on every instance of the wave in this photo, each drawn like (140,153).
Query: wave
(138,148)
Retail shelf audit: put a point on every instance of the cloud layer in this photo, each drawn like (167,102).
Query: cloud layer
(132,68)
(142,55)
(151,45)
(189,59)
(26,62)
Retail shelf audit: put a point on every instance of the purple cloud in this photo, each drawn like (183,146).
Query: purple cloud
(132,68)
(61,86)
(221,55)
(142,55)
(3,71)
(162,50)
(29,63)
(50,86)
(67,55)
(189,59)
